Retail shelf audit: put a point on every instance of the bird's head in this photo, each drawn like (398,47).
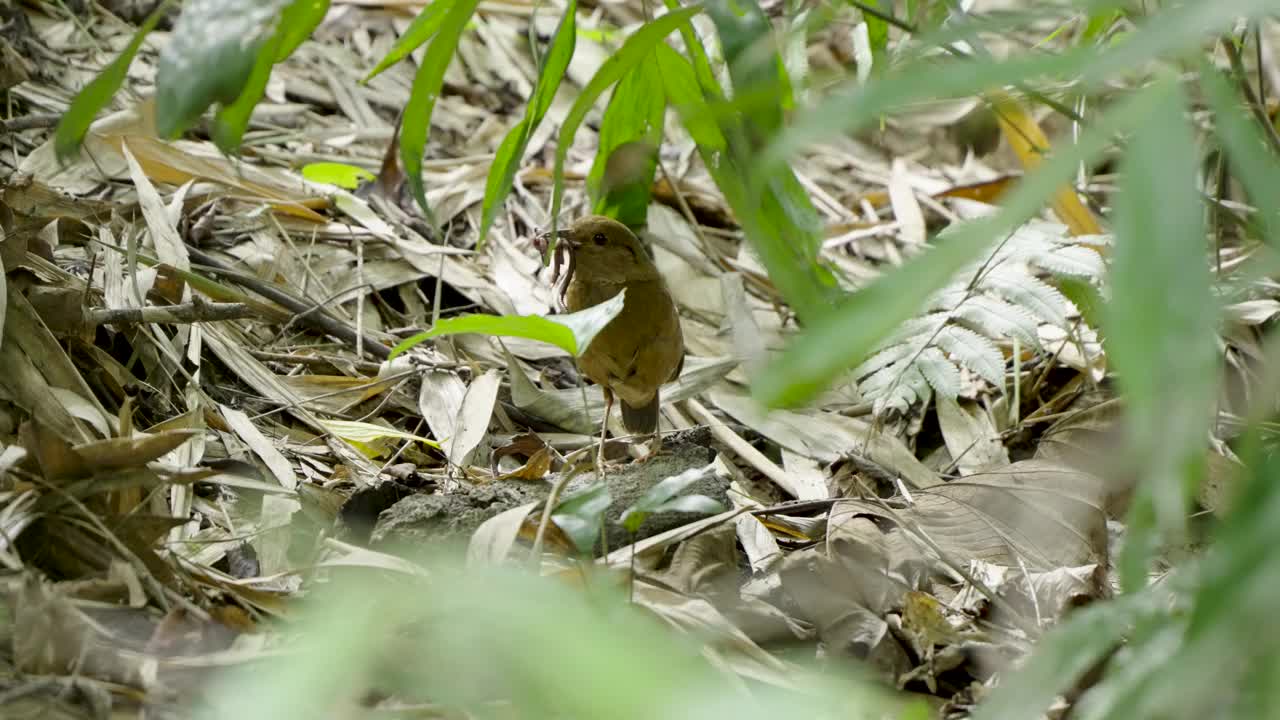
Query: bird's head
(603,249)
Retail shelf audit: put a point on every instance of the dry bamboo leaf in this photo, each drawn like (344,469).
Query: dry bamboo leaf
(1032,513)
(473,418)
(970,435)
(275,461)
(492,541)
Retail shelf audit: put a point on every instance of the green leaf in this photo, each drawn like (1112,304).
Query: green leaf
(845,337)
(1100,22)
(416,121)
(1251,159)
(783,226)
(296,23)
(423,27)
(507,160)
(1162,318)
(754,63)
(300,19)
(340,174)
(877,35)
(211,54)
(1087,299)
(581,516)
(683,91)
(780,222)
(659,498)
(692,504)
(633,51)
(93,97)
(703,74)
(572,333)
(621,178)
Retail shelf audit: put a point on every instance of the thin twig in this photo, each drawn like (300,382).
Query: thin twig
(197,310)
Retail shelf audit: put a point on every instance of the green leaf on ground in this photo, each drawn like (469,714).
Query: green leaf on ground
(572,333)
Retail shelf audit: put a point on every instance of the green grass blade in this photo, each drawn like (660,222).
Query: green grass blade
(683,90)
(507,160)
(1063,656)
(845,337)
(422,29)
(416,121)
(634,50)
(93,97)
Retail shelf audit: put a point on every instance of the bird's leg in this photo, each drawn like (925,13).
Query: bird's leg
(648,448)
(604,427)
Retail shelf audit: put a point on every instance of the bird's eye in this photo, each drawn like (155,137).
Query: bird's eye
(600,239)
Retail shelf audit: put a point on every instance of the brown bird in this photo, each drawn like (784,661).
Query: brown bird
(641,348)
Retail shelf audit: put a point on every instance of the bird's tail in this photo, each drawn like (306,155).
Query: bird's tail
(642,420)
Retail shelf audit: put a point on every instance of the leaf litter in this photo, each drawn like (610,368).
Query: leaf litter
(167,488)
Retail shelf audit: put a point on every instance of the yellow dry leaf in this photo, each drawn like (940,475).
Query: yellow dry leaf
(1031,145)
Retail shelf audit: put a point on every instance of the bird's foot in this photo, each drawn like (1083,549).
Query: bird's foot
(645,451)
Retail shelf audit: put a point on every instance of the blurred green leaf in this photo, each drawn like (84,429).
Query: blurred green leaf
(854,106)
(423,27)
(340,174)
(507,160)
(462,639)
(781,222)
(572,332)
(210,56)
(297,21)
(1231,593)
(625,181)
(1100,22)
(621,177)
(1064,655)
(1087,299)
(633,51)
(1254,164)
(843,338)
(782,226)
(416,121)
(93,97)
(581,516)
(1162,318)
